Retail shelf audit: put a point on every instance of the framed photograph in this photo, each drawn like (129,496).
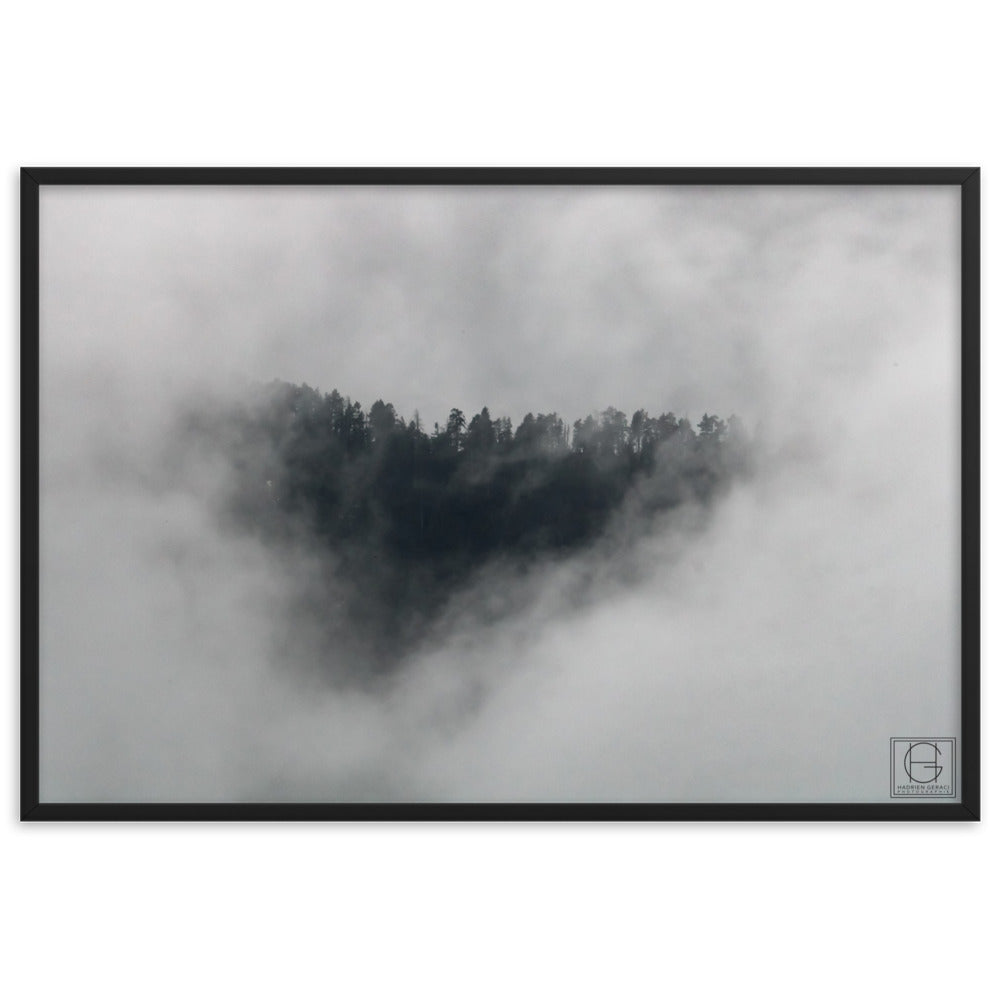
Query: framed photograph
(500,494)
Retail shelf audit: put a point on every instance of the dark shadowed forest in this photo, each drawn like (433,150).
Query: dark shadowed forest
(402,515)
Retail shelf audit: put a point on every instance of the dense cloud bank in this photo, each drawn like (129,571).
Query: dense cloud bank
(766,644)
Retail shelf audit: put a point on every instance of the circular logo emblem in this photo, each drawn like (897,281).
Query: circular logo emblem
(921,762)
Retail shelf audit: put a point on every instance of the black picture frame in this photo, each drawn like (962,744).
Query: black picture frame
(965,806)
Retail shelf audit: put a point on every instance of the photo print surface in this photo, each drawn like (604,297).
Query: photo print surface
(456,494)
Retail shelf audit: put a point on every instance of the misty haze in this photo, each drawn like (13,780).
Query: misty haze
(512,494)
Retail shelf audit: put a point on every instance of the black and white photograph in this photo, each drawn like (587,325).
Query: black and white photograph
(500,493)
(660,676)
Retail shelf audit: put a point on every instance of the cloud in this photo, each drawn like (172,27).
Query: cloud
(768,652)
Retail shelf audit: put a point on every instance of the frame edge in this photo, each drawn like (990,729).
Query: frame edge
(971,528)
(29,490)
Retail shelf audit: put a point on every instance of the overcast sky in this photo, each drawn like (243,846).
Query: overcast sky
(816,617)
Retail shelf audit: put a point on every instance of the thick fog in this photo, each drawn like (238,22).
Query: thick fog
(764,649)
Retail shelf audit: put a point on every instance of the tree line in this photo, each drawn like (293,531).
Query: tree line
(410,511)
(470,487)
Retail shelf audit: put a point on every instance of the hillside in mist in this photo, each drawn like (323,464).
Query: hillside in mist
(400,518)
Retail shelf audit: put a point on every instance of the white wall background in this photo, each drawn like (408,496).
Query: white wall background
(315,910)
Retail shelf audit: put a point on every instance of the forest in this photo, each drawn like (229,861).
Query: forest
(408,513)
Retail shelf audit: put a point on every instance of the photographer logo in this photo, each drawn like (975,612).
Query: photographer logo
(923,767)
